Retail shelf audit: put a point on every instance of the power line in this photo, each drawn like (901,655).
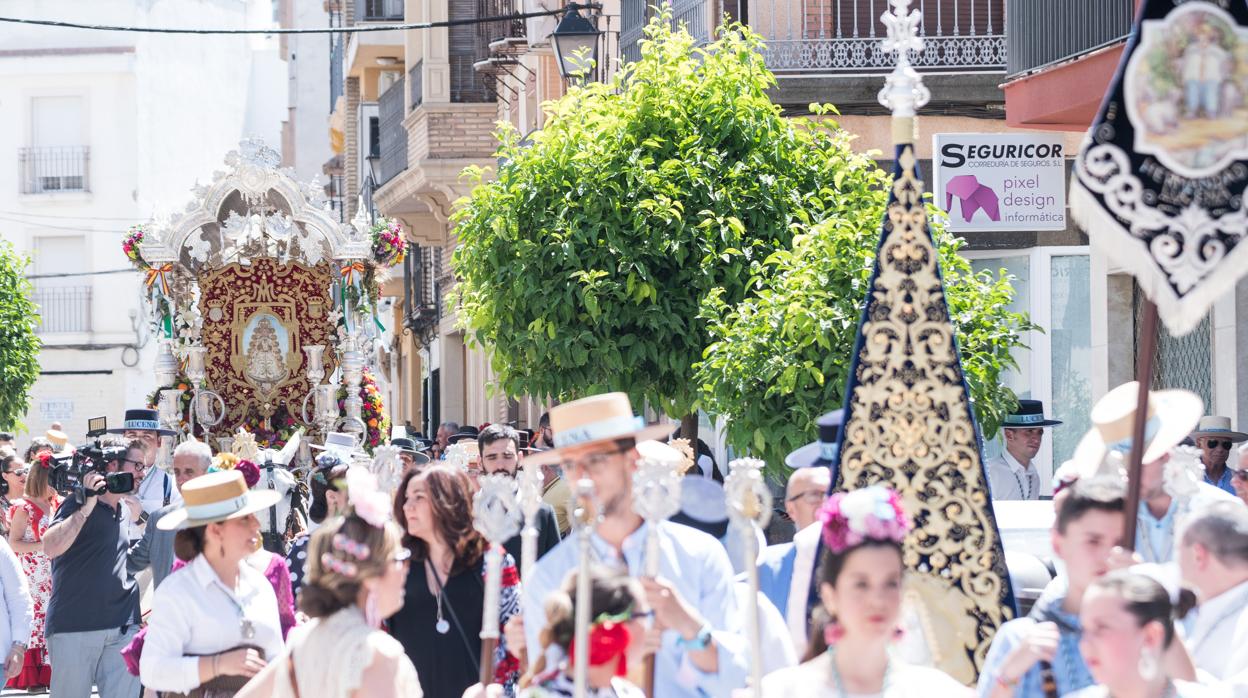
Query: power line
(54,215)
(357,29)
(81,229)
(81,273)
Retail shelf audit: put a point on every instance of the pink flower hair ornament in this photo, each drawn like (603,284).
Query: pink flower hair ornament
(871,513)
(369,502)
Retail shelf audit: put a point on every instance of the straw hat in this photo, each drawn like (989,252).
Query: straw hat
(1218,427)
(596,420)
(1171,416)
(217,497)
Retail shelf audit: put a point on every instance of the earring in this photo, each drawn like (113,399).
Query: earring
(371,615)
(1147,665)
(832,632)
(899,633)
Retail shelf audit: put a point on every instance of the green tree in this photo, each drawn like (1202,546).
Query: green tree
(585,264)
(781,357)
(19,344)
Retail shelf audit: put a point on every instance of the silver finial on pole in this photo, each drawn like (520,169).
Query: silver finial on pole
(656,498)
(749,509)
(529,479)
(904,93)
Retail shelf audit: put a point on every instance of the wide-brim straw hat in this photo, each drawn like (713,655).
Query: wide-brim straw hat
(1171,416)
(596,421)
(1218,428)
(214,497)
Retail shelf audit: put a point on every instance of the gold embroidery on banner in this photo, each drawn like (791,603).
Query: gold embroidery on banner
(909,426)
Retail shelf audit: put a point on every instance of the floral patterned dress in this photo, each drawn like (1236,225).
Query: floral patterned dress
(38,568)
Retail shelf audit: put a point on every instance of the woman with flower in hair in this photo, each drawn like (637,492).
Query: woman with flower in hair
(357,573)
(617,638)
(860,585)
(29,518)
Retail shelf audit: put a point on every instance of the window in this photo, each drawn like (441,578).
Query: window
(64,302)
(57,159)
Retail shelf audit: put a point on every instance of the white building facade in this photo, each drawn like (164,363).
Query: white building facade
(108,129)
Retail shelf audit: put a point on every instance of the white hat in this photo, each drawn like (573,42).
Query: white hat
(343,444)
(1171,416)
(599,419)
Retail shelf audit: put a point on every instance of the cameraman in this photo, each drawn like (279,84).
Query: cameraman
(94,609)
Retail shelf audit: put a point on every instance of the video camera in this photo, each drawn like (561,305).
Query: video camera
(68,471)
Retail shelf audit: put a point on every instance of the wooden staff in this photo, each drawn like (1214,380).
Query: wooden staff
(585,515)
(749,507)
(656,498)
(1135,464)
(497,517)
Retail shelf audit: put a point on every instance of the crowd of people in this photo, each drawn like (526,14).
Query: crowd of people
(165,585)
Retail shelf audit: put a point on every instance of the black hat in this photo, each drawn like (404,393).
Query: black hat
(142,420)
(465,432)
(410,446)
(824,451)
(1029,415)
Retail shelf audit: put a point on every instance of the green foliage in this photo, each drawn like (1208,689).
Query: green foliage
(19,344)
(781,358)
(584,265)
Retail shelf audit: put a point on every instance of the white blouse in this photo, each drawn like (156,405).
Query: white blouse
(813,679)
(16,612)
(195,614)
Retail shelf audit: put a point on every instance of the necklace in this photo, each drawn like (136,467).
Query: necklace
(441,625)
(245,626)
(839,685)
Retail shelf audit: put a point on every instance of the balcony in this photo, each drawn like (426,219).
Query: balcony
(379,10)
(392,135)
(420,289)
(53,170)
(1062,55)
(63,308)
(846,36)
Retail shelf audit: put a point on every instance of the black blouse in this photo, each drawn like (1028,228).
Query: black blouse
(446,664)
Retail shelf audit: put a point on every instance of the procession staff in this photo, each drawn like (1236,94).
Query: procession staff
(497,517)
(657,487)
(749,507)
(702,652)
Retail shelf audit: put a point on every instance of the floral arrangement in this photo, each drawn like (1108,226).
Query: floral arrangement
(389,246)
(376,420)
(130,246)
(870,513)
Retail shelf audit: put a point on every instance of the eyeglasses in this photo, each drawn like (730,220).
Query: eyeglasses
(595,462)
(20,473)
(1240,475)
(1215,443)
(138,464)
(812,497)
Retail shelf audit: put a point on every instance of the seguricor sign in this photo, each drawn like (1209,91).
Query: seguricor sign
(1000,181)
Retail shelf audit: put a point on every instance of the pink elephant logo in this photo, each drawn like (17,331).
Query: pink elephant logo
(972,196)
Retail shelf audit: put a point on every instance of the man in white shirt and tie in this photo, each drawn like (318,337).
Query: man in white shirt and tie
(1012,475)
(1213,556)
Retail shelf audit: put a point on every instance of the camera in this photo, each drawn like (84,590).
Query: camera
(68,471)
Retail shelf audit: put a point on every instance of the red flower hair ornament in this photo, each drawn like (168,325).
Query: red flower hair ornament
(870,513)
(609,639)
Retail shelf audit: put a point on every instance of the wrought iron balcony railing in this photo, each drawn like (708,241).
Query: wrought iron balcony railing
(47,170)
(392,136)
(845,36)
(64,308)
(1043,33)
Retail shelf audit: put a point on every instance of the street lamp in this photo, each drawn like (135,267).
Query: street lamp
(574,38)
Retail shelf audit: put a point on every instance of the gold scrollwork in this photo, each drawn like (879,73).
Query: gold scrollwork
(909,426)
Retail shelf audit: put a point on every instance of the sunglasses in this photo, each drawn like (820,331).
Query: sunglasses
(1241,475)
(20,473)
(1214,443)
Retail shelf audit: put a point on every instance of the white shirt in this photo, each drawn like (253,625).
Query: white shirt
(1218,638)
(1009,479)
(193,613)
(152,490)
(777,651)
(806,542)
(696,565)
(17,611)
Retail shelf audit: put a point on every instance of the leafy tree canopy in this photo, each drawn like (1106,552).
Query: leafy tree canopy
(780,358)
(19,344)
(584,265)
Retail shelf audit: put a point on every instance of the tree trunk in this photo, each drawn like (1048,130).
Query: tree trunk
(689,430)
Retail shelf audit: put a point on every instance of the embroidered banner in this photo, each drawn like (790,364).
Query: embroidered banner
(1160,179)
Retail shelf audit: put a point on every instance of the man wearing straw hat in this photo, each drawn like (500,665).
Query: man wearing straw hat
(693,599)
(1214,437)
(1168,491)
